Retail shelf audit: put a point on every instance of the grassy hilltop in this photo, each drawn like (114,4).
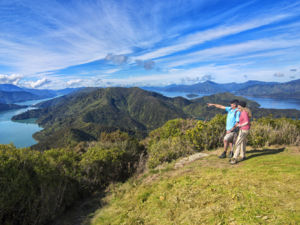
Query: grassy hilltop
(264,189)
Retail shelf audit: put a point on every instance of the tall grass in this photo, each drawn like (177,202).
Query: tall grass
(269,131)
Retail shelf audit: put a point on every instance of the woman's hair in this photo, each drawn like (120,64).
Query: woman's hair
(248,111)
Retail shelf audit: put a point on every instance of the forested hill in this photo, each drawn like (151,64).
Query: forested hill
(82,116)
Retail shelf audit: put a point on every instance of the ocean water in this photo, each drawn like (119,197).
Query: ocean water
(19,133)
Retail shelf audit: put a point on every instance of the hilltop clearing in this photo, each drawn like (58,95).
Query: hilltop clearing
(264,189)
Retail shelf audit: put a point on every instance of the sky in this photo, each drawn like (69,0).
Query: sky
(72,43)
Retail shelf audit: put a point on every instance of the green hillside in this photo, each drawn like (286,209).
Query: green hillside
(82,116)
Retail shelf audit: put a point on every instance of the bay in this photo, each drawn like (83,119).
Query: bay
(18,133)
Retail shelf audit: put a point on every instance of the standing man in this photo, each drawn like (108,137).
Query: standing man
(232,120)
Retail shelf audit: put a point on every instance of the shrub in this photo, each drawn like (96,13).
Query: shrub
(270,131)
(167,150)
(113,158)
(169,142)
(35,187)
(207,135)
(172,128)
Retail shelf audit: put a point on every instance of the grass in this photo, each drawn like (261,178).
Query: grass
(264,189)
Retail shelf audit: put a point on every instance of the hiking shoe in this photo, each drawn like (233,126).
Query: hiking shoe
(233,161)
(223,155)
(230,154)
(242,159)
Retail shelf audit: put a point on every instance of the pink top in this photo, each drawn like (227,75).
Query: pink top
(243,119)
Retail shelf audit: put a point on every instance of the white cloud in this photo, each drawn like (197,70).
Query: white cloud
(38,83)
(218,73)
(208,35)
(10,79)
(218,53)
(111,71)
(66,36)
(73,83)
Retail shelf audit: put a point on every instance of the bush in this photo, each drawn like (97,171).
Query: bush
(271,131)
(169,142)
(113,158)
(172,128)
(208,135)
(167,150)
(35,187)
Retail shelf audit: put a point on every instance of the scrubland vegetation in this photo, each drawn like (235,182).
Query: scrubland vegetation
(37,186)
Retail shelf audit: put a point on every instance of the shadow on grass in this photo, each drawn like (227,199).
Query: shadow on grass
(256,153)
(82,211)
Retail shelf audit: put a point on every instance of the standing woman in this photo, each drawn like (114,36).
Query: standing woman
(244,125)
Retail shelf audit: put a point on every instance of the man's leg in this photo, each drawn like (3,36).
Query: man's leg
(223,155)
(225,145)
(231,150)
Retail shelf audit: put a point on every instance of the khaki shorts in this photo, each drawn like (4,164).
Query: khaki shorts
(230,137)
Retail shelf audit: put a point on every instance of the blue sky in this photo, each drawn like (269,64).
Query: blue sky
(60,43)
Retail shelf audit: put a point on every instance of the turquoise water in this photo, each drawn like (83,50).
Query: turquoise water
(18,133)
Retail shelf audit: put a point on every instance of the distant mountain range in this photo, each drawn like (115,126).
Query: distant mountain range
(279,90)
(10,93)
(250,88)
(83,115)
